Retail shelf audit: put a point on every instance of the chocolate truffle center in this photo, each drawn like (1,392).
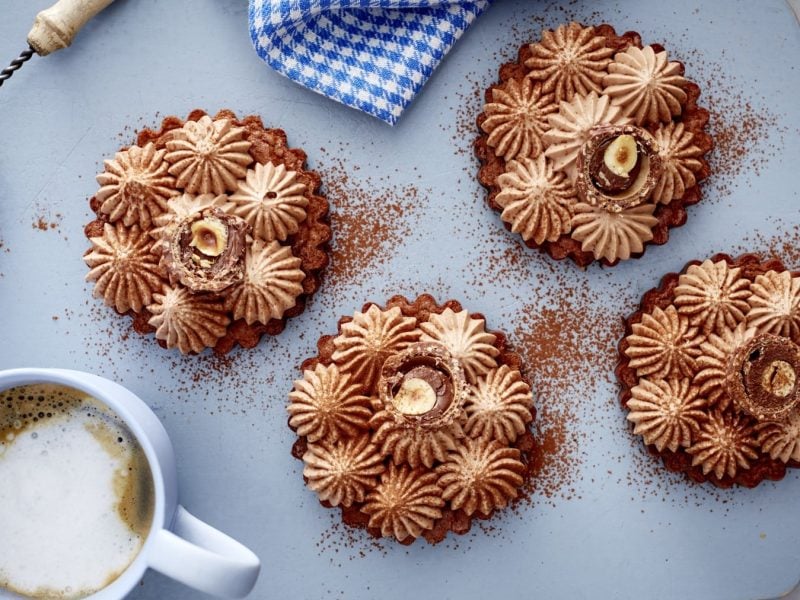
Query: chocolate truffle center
(422,389)
(422,385)
(616,163)
(207,251)
(764,377)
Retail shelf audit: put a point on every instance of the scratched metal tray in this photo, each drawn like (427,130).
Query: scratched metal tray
(606,523)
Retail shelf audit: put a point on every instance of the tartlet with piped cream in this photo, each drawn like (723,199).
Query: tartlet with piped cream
(710,370)
(413,420)
(209,232)
(592,144)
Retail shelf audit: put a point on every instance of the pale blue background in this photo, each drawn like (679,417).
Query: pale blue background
(662,539)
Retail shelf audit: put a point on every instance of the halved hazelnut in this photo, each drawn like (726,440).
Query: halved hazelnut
(762,377)
(423,385)
(209,236)
(618,167)
(206,251)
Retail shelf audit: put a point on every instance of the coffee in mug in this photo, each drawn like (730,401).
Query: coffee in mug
(76,493)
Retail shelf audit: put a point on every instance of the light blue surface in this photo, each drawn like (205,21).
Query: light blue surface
(657,537)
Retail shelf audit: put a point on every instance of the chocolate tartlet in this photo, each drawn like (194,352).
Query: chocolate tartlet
(209,232)
(710,370)
(413,420)
(592,145)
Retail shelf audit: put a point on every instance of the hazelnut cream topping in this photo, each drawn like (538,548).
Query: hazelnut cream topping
(405,503)
(208,156)
(516,118)
(725,445)
(187,321)
(712,364)
(613,235)
(663,345)
(499,406)
(618,167)
(570,60)
(761,377)
(645,85)
(781,440)
(713,296)
(666,414)
(135,186)
(570,129)
(385,420)
(342,472)
(681,159)
(536,201)
(775,304)
(206,251)
(369,339)
(272,200)
(272,282)
(466,339)
(480,477)
(123,267)
(415,446)
(326,405)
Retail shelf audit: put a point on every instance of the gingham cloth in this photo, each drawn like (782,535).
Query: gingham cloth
(373,55)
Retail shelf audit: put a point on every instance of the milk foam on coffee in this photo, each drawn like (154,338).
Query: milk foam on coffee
(76,493)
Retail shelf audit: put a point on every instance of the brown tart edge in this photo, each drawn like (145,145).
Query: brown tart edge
(694,117)
(311,243)
(456,521)
(681,462)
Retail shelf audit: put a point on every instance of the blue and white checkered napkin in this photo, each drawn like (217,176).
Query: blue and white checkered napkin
(373,55)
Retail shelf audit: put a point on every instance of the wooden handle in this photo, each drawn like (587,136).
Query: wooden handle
(56,27)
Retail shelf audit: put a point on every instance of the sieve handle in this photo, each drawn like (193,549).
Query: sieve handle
(204,558)
(56,27)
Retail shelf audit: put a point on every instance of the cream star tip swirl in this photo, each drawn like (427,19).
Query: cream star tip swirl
(713,295)
(479,477)
(499,406)
(369,339)
(405,504)
(123,268)
(342,472)
(208,156)
(712,363)
(516,119)
(613,235)
(570,127)
(645,85)
(326,405)
(187,321)
(272,282)
(724,445)
(135,186)
(663,344)
(466,339)
(681,159)
(536,201)
(570,60)
(272,200)
(775,304)
(667,414)
(412,445)
(780,440)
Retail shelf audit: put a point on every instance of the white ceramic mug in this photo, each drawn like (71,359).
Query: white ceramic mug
(179,545)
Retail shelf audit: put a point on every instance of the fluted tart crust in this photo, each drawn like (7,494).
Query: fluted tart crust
(709,366)
(209,232)
(536,119)
(414,419)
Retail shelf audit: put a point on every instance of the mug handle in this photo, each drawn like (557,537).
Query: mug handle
(204,558)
